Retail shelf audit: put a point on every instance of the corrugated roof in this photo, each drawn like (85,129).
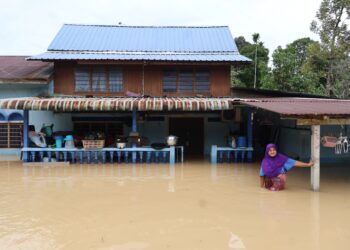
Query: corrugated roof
(301,106)
(142,56)
(81,104)
(18,69)
(103,42)
(292,107)
(244,92)
(73,37)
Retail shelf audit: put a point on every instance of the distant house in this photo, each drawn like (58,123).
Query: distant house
(20,78)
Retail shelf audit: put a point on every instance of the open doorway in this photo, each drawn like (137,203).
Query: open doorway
(190,132)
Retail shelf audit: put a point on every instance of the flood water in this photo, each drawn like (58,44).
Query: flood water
(189,206)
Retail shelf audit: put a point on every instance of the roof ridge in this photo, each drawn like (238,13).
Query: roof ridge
(141,52)
(146,26)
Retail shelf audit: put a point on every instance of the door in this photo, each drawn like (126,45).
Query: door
(190,132)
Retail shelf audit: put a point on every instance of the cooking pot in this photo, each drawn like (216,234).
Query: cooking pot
(171,140)
(121,145)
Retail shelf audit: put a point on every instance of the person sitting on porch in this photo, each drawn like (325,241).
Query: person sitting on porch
(274,168)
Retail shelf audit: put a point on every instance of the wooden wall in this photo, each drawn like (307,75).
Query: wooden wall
(153,74)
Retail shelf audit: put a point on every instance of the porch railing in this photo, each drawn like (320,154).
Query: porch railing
(228,154)
(113,155)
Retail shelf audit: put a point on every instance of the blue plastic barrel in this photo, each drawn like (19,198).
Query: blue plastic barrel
(59,140)
(241,141)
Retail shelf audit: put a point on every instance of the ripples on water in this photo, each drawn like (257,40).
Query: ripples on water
(190,206)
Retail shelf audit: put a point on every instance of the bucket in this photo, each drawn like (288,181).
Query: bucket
(59,140)
(241,141)
(69,141)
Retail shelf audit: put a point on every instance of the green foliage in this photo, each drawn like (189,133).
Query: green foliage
(341,71)
(289,67)
(245,76)
(332,27)
(304,65)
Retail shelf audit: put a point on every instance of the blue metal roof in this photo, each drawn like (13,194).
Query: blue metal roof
(209,57)
(167,43)
(143,38)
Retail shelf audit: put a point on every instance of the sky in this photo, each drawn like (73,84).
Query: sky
(28,27)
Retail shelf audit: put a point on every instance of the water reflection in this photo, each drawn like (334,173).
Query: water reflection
(156,206)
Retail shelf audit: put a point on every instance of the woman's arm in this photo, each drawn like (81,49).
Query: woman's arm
(303,164)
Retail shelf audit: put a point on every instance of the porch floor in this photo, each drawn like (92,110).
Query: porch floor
(194,205)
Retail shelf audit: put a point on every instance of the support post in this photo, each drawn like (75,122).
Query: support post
(249,135)
(134,125)
(213,154)
(134,130)
(25,134)
(172,155)
(315,156)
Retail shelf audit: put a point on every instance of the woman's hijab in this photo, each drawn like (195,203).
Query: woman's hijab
(272,165)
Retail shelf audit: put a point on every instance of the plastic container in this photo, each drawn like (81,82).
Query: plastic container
(241,141)
(69,141)
(59,140)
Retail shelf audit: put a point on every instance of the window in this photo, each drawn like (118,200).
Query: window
(98,79)
(186,81)
(11,134)
(169,81)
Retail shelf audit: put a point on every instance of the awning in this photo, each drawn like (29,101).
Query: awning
(294,107)
(82,104)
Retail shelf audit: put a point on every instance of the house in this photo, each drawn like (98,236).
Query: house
(156,80)
(20,78)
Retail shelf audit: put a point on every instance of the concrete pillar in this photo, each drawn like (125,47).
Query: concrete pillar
(315,156)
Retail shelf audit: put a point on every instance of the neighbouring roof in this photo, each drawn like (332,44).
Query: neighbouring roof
(294,107)
(81,104)
(16,69)
(151,43)
(243,92)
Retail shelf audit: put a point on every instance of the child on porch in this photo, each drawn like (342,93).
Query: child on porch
(274,168)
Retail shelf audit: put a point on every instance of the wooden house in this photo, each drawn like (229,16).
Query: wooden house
(153,80)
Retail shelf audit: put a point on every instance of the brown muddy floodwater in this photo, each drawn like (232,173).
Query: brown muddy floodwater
(189,206)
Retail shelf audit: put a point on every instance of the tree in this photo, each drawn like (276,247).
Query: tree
(244,76)
(256,37)
(342,76)
(331,26)
(289,68)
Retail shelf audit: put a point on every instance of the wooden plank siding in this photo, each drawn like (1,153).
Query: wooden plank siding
(153,76)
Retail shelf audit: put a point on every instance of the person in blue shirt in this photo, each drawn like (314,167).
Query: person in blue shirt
(274,168)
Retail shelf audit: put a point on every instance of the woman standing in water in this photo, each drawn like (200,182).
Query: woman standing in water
(274,168)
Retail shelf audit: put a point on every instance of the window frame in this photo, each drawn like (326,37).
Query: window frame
(178,85)
(8,135)
(108,71)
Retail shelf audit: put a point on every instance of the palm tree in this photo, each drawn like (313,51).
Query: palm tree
(256,37)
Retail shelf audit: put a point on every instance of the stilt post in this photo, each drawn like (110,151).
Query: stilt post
(213,154)
(134,130)
(249,134)
(134,125)
(315,156)
(25,134)
(172,155)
